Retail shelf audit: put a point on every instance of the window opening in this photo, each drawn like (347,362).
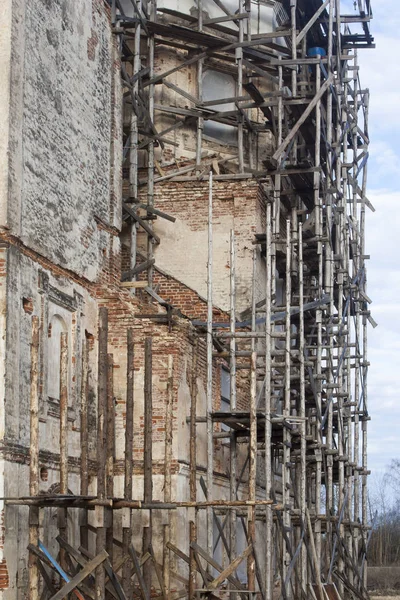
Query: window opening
(217,86)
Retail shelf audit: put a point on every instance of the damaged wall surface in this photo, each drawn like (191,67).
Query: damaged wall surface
(183,301)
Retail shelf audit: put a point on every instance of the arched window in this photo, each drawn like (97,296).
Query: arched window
(56,328)
(217,86)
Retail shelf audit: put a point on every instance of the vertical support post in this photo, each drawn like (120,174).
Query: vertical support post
(150,170)
(286,483)
(148,454)
(168,467)
(210,443)
(110,452)
(127,527)
(268,426)
(63,512)
(251,580)
(101,444)
(34,458)
(293,6)
(239,61)
(134,138)
(200,120)
(193,472)
(303,445)
(232,399)
(84,435)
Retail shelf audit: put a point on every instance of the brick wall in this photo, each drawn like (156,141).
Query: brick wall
(182,253)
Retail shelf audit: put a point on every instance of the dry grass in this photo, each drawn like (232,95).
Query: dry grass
(384,582)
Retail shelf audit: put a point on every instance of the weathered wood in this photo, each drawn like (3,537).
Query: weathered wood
(127,531)
(167,470)
(213,563)
(53,564)
(193,468)
(148,452)
(62,512)
(126,275)
(34,457)
(85,572)
(181,92)
(159,213)
(141,222)
(110,453)
(159,574)
(134,284)
(136,566)
(294,130)
(101,441)
(230,569)
(84,438)
(311,22)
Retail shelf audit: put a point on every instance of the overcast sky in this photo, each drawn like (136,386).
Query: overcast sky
(380,72)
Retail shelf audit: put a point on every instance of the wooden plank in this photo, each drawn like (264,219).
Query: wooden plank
(159,574)
(227,18)
(216,566)
(75,581)
(311,22)
(136,566)
(293,132)
(134,284)
(161,135)
(204,575)
(156,211)
(230,569)
(126,275)
(141,222)
(181,92)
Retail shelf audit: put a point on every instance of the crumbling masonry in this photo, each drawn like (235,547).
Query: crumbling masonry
(183,372)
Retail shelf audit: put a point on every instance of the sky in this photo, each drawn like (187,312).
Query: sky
(380,72)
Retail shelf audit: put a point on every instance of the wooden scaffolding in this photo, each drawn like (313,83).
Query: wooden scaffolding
(305,350)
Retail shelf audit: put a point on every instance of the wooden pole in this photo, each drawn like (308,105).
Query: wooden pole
(251,579)
(210,442)
(34,459)
(232,399)
(110,453)
(303,444)
(286,412)
(193,473)
(148,455)
(84,436)
(167,471)
(63,512)
(268,427)
(127,525)
(101,444)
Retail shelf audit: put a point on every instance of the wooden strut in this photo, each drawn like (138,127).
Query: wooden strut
(63,512)
(34,458)
(148,455)
(102,423)
(127,517)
